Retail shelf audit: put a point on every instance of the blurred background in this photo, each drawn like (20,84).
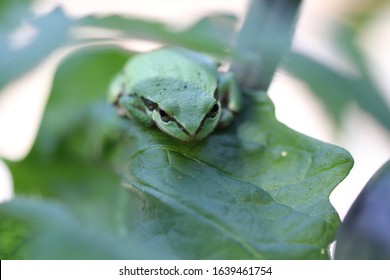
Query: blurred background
(22,102)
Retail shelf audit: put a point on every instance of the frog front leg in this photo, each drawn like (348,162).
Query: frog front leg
(135,108)
(230,97)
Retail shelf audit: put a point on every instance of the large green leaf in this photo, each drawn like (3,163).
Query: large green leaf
(258,190)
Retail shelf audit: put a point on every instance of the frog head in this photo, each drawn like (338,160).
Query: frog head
(190,117)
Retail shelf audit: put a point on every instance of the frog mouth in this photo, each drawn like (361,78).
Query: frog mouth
(182,128)
(187,135)
(195,135)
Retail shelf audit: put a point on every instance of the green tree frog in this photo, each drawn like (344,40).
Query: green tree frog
(179,90)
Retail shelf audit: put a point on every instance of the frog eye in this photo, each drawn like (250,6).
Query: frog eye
(149,104)
(164,116)
(214,111)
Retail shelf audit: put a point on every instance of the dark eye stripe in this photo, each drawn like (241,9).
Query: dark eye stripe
(149,104)
(164,116)
(162,112)
(181,127)
(214,111)
(211,114)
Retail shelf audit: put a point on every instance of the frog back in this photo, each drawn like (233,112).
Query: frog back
(171,72)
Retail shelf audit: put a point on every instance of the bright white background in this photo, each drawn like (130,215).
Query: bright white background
(22,103)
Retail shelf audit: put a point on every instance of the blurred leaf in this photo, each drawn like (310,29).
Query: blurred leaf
(52,33)
(11,13)
(263,40)
(336,89)
(211,34)
(364,234)
(80,81)
(90,190)
(56,30)
(256,191)
(13,235)
(368,95)
(51,232)
(66,162)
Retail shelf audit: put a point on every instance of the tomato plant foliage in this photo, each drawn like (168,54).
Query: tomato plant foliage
(99,186)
